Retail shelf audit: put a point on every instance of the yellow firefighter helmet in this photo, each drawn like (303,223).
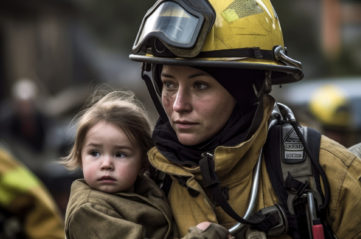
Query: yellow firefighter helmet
(220,33)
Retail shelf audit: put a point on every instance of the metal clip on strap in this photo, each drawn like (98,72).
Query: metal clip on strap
(315,223)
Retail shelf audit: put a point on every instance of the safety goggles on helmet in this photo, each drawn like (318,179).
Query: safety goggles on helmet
(178,27)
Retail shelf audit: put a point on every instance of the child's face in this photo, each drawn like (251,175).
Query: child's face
(110,162)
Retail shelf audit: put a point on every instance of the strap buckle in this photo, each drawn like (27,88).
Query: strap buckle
(278,215)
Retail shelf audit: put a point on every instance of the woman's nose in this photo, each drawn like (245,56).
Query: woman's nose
(182,101)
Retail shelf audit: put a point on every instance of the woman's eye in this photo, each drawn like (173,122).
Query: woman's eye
(169,85)
(200,85)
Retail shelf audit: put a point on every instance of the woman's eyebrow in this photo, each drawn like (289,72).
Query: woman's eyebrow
(167,75)
(190,76)
(197,74)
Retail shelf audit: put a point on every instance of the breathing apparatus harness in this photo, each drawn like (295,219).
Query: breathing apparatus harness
(291,156)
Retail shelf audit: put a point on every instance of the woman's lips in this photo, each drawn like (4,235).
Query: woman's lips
(184,124)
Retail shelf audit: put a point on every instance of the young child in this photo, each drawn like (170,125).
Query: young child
(116,198)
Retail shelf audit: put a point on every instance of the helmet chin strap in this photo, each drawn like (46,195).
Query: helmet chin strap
(151,89)
(264,88)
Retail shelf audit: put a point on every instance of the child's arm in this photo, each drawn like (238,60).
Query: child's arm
(95,221)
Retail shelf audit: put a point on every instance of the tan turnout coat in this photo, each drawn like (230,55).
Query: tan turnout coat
(141,214)
(94,214)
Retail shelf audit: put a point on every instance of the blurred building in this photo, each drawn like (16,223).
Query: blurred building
(325,35)
(39,61)
(36,42)
(341,27)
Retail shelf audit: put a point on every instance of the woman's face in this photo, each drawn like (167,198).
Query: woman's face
(197,106)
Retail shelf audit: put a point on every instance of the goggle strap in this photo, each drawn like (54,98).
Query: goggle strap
(254,52)
(153,93)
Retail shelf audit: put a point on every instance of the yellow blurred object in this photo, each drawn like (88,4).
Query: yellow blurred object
(24,197)
(331,107)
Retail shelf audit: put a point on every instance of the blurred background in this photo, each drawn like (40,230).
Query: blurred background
(55,53)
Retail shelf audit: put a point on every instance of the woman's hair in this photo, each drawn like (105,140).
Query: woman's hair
(121,109)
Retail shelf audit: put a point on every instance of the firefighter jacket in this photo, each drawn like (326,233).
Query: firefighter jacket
(143,213)
(24,197)
(234,168)
(356,149)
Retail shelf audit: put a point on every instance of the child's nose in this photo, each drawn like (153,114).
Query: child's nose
(107,163)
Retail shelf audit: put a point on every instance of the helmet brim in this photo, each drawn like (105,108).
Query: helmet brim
(281,74)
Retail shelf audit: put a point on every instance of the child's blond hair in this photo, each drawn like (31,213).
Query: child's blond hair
(121,109)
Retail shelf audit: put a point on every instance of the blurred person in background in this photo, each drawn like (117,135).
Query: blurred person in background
(22,120)
(337,111)
(336,107)
(222,140)
(27,211)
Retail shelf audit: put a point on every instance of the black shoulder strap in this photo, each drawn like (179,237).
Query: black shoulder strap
(272,153)
(162,179)
(285,156)
(216,194)
(314,140)
(292,161)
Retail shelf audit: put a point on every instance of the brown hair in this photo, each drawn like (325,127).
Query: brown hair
(120,108)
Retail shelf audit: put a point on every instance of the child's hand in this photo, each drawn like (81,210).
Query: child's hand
(205,225)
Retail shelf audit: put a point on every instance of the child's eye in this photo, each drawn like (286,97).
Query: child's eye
(94,153)
(120,155)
